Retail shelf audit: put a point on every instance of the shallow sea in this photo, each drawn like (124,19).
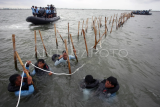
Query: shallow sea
(131,54)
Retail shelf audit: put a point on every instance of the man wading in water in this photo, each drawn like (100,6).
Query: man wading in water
(41,64)
(58,59)
(15,82)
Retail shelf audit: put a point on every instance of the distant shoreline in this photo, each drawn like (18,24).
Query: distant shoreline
(77,9)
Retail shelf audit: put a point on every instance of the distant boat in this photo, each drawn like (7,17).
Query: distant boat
(142,12)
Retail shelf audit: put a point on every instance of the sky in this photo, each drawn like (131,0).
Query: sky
(85,4)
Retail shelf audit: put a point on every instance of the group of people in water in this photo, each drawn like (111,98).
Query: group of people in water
(47,12)
(108,86)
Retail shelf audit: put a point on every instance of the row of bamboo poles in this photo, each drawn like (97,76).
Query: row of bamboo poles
(96,25)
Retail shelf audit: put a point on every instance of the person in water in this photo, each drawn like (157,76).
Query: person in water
(89,82)
(62,58)
(15,82)
(33,11)
(108,86)
(41,64)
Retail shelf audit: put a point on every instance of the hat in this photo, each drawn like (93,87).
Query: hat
(89,79)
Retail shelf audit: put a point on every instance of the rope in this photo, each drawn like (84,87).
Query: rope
(58,73)
(44,71)
(20,88)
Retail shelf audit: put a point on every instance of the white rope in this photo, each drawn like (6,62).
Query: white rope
(20,88)
(59,73)
(45,71)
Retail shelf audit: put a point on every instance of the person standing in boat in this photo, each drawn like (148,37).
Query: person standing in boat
(36,11)
(48,7)
(55,12)
(47,14)
(33,11)
(52,12)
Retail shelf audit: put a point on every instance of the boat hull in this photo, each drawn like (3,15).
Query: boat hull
(40,20)
(142,14)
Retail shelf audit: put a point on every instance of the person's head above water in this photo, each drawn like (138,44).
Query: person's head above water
(15,79)
(65,56)
(111,82)
(89,79)
(40,63)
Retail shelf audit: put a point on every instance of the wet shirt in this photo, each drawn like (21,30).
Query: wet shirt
(63,61)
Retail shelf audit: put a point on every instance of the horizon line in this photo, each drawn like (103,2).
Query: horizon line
(76,9)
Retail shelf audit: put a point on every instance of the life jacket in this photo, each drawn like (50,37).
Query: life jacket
(108,90)
(13,88)
(40,72)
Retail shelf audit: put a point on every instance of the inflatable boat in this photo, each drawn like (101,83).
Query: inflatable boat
(143,12)
(41,20)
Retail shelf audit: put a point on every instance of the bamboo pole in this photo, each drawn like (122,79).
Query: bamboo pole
(113,22)
(86,26)
(105,27)
(82,27)
(87,23)
(100,21)
(73,47)
(116,23)
(95,32)
(14,50)
(69,66)
(85,42)
(78,28)
(119,22)
(68,33)
(35,43)
(110,20)
(23,66)
(55,34)
(60,36)
(99,28)
(43,42)
(111,30)
(98,40)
